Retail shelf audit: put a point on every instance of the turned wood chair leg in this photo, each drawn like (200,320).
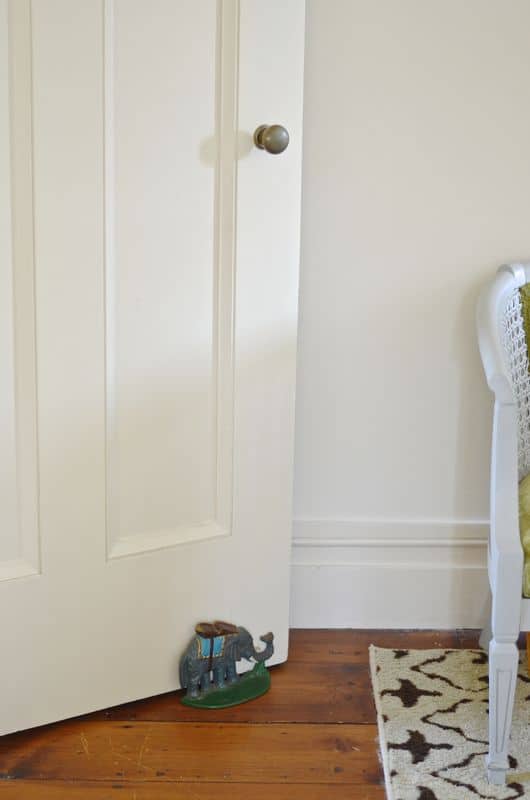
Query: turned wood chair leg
(503,662)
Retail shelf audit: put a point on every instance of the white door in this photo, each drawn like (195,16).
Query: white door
(148,311)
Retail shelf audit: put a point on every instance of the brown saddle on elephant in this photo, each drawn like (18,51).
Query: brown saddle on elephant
(209,630)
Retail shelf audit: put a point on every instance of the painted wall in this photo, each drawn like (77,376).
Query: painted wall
(416,186)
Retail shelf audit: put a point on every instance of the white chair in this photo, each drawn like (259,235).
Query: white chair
(504,352)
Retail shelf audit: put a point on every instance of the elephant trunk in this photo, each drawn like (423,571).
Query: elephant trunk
(263,655)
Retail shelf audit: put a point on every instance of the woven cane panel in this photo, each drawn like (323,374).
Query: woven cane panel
(514,340)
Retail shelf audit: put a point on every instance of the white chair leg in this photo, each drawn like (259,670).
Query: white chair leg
(503,661)
(486,636)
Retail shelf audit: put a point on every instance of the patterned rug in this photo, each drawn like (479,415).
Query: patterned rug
(432,710)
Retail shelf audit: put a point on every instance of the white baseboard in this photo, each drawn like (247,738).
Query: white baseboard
(367,573)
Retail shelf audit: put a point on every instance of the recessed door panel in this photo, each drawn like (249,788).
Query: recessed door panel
(162,272)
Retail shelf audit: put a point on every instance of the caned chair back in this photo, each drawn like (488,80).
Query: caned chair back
(513,337)
(504,349)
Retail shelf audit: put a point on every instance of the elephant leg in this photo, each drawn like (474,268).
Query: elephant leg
(231,673)
(219,676)
(205,681)
(193,687)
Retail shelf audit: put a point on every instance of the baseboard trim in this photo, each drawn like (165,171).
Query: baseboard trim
(389,573)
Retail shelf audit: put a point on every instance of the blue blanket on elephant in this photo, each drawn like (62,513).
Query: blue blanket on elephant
(206,646)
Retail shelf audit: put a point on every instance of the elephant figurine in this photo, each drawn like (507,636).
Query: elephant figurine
(214,650)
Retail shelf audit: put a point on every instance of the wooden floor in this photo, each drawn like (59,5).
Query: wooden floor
(313,736)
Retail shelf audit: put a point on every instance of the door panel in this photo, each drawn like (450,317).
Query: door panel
(163,271)
(166,268)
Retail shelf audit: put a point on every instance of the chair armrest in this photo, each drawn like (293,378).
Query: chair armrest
(491,300)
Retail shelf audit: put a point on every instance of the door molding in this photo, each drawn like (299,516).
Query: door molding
(19,392)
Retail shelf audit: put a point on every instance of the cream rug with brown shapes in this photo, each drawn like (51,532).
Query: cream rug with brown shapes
(432,709)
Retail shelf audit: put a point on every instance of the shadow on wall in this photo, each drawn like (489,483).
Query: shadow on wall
(473,430)
(475,407)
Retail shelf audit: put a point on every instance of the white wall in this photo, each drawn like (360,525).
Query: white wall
(416,186)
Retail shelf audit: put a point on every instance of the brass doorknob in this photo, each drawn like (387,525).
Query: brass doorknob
(272,138)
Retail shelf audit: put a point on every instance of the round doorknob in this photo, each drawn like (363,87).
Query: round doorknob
(272,138)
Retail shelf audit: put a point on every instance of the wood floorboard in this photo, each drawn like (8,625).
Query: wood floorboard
(312,736)
(195,752)
(37,790)
(312,693)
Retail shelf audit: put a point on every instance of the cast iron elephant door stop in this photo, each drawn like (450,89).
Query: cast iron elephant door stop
(208,666)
